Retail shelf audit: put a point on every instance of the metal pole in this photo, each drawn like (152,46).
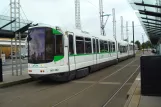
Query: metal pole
(127,31)
(15,26)
(11,13)
(114,23)
(1,51)
(77,15)
(1,72)
(20,54)
(122,28)
(101,16)
(114,29)
(143,43)
(16,54)
(12,56)
(19,37)
(11,18)
(133,38)
(127,35)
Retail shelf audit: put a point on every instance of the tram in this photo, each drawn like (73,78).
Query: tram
(59,54)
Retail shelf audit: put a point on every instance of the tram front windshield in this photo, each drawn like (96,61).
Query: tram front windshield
(43,45)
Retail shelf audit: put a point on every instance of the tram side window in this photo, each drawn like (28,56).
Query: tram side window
(113,46)
(97,46)
(110,46)
(49,46)
(101,46)
(71,44)
(118,47)
(126,47)
(106,46)
(59,45)
(80,45)
(94,46)
(131,47)
(88,47)
(123,49)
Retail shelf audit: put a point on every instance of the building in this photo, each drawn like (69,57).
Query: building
(5,46)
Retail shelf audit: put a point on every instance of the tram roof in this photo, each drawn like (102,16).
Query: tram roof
(76,32)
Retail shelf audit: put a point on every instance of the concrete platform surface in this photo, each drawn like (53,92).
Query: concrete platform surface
(9,62)
(148,101)
(99,89)
(135,99)
(9,80)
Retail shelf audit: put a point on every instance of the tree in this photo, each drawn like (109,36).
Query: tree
(138,44)
(147,45)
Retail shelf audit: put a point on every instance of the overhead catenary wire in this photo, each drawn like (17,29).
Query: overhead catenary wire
(24,13)
(92,4)
(5,12)
(6,8)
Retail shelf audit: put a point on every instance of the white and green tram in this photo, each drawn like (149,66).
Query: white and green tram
(62,55)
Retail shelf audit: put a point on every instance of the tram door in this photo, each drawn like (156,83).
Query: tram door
(71,59)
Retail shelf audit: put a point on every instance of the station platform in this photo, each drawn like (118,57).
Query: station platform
(135,99)
(9,62)
(9,80)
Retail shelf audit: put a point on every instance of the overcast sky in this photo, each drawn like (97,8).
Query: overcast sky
(62,12)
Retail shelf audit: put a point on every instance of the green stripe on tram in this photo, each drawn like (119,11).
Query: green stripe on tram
(91,54)
(56,32)
(57,58)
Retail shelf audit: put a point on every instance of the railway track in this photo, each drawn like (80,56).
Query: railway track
(110,99)
(26,93)
(95,83)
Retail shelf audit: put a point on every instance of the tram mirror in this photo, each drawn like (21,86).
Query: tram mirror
(29,38)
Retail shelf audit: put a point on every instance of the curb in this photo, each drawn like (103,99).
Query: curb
(8,84)
(132,97)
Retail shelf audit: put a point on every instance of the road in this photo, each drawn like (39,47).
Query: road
(105,88)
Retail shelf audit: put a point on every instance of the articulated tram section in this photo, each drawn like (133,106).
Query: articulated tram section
(45,65)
